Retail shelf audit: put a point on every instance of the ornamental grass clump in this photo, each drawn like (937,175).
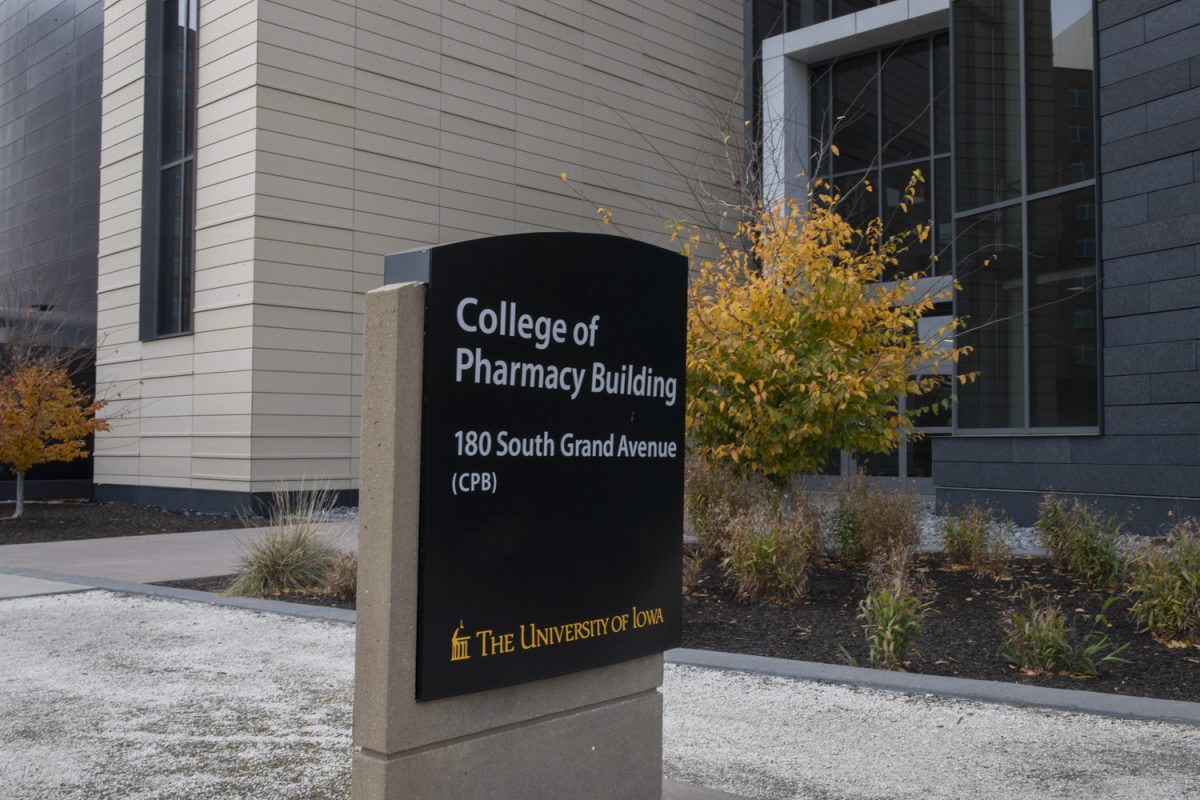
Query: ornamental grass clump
(1082,540)
(1165,580)
(893,621)
(893,613)
(772,549)
(972,540)
(342,579)
(293,555)
(714,497)
(1040,639)
(867,521)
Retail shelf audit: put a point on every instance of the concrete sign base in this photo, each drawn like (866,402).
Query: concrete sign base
(592,735)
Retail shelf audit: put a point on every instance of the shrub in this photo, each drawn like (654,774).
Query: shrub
(970,540)
(1082,540)
(892,620)
(1040,639)
(797,345)
(867,520)
(1166,582)
(294,554)
(771,551)
(342,579)
(714,497)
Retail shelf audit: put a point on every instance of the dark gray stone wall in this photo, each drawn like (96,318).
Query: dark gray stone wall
(1146,463)
(50,72)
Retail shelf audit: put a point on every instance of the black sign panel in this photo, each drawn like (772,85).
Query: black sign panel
(552,456)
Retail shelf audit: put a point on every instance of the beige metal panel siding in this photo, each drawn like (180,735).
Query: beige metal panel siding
(176,401)
(333,132)
(463,115)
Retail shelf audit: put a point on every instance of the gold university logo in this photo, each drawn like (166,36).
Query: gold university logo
(459,644)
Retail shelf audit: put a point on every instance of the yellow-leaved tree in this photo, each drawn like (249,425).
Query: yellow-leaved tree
(43,418)
(795,346)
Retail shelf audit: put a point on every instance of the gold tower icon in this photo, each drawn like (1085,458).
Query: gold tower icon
(459,645)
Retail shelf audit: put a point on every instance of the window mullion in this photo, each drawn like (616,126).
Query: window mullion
(1027,372)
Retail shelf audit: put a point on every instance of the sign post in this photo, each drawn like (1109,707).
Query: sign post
(521,510)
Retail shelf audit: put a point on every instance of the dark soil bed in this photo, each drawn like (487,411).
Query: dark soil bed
(218,584)
(64,521)
(961,639)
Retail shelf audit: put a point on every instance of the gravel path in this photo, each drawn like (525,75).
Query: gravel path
(106,696)
(765,737)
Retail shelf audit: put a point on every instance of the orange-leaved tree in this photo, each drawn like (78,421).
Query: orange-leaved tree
(796,346)
(44,417)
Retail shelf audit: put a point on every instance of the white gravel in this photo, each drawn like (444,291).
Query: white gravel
(106,696)
(775,738)
(1022,540)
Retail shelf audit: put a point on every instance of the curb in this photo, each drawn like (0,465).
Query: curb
(285,608)
(674,790)
(1179,712)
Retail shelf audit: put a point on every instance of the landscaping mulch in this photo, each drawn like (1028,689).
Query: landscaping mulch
(69,520)
(219,583)
(961,639)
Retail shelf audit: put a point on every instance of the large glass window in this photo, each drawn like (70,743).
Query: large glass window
(856,113)
(1059,59)
(170,166)
(1026,213)
(771,17)
(906,105)
(887,114)
(987,96)
(1063,363)
(801,13)
(992,301)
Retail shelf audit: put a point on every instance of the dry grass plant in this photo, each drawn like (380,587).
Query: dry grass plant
(971,541)
(692,567)
(894,611)
(867,520)
(895,569)
(714,497)
(1082,540)
(771,550)
(342,579)
(294,555)
(1165,580)
(1040,639)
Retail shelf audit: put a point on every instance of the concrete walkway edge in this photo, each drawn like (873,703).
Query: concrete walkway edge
(674,790)
(1074,700)
(1077,700)
(191,595)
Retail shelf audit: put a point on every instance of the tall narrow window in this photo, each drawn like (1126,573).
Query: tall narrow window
(169,180)
(1026,214)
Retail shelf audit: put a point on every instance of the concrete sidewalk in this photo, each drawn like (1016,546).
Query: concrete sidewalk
(148,559)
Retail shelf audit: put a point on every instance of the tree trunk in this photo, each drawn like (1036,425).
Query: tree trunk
(20,496)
